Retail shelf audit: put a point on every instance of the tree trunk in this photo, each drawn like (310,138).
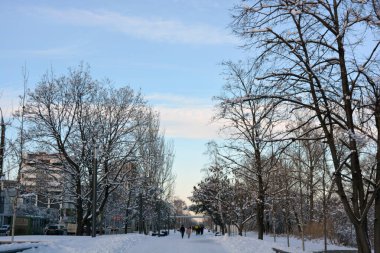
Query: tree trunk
(2,145)
(145,227)
(127,212)
(79,207)
(260,218)
(297,220)
(141,222)
(88,227)
(106,191)
(376,242)
(311,194)
(361,230)
(377,198)
(240,230)
(377,222)
(358,195)
(261,196)
(362,238)
(222,229)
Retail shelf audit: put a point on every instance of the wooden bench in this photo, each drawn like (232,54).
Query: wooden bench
(159,234)
(337,251)
(280,251)
(328,251)
(163,233)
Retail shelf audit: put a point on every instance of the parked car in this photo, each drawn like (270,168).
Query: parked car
(55,229)
(5,230)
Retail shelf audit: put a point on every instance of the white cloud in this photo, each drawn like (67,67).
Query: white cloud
(177,99)
(151,29)
(185,117)
(187,122)
(56,51)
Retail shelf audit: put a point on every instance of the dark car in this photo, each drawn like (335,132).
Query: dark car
(5,230)
(55,229)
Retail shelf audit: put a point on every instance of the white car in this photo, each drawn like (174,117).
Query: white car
(5,230)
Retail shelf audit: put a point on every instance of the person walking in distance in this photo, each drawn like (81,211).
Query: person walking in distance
(188,232)
(182,230)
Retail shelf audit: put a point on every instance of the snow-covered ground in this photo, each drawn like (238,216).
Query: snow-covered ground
(151,244)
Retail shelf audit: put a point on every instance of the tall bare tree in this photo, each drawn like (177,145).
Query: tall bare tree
(18,147)
(319,57)
(155,159)
(246,124)
(74,115)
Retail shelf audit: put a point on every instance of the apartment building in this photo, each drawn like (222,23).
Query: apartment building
(44,183)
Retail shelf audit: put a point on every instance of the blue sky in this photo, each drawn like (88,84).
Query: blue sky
(170,49)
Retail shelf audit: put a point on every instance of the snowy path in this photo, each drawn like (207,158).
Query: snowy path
(151,244)
(174,243)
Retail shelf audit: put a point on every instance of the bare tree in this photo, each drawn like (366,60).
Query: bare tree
(213,196)
(316,57)
(155,183)
(179,206)
(18,147)
(75,114)
(246,124)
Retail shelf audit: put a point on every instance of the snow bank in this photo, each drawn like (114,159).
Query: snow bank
(77,244)
(249,245)
(169,244)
